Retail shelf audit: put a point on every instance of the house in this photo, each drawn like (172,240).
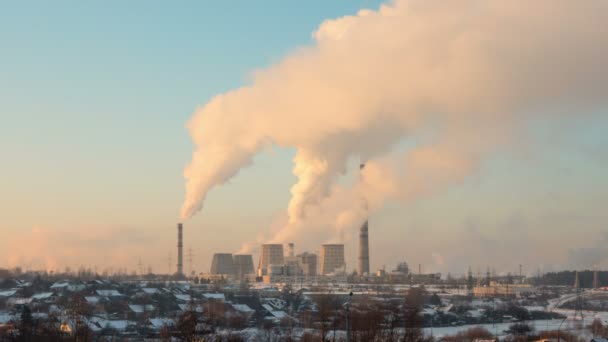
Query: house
(8,293)
(151,290)
(274,315)
(244,310)
(188,307)
(214,296)
(108,293)
(44,297)
(158,323)
(183,297)
(140,309)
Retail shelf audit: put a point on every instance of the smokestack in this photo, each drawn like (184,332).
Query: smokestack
(290,250)
(180,250)
(364,243)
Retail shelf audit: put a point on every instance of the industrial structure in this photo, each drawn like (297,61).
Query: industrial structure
(243,265)
(272,254)
(222,264)
(363,266)
(332,259)
(308,262)
(180,250)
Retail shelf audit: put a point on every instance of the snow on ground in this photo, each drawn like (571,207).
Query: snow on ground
(569,324)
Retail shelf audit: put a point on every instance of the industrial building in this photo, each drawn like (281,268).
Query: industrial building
(222,264)
(272,254)
(308,263)
(243,265)
(332,259)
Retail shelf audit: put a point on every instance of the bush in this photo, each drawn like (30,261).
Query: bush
(469,335)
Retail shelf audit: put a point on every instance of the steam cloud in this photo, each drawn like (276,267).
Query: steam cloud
(454,79)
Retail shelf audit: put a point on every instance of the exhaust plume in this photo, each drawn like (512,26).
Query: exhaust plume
(453,79)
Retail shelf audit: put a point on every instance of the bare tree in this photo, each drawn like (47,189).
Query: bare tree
(413,320)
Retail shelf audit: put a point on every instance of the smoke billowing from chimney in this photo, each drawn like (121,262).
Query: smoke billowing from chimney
(454,79)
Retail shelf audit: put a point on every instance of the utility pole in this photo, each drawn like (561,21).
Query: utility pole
(190,255)
(520,277)
(347,308)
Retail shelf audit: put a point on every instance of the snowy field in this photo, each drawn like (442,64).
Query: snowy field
(571,324)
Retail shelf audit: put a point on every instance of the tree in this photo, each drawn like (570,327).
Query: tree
(412,317)
(472,334)
(26,324)
(186,326)
(82,333)
(597,328)
(519,329)
(435,300)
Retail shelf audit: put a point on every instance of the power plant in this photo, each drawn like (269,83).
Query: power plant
(332,259)
(180,250)
(272,254)
(243,265)
(222,264)
(308,263)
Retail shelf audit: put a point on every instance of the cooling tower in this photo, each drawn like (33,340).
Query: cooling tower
(272,254)
(308,262)
(180,251)
(243,265)
(332,258)
(222,264)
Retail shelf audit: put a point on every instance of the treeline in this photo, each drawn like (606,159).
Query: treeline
(567,278)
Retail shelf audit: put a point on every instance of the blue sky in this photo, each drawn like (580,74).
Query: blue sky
(93,102)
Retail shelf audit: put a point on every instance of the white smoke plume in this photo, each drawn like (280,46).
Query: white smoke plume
(455,78)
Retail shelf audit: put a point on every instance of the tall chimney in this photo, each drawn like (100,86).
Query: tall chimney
(290,250)
(363,268)
(180,250)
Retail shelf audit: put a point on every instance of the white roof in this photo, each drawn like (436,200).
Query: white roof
(242,308)
(7,293)
(150,290)
(115,324)
(92,299)
(186,307)
(141,308)
(60,284)
(183,297)
(6,317)
(161,322)
(214,296)
(43,295)
(278,314)
(136,308)
(108,293)
(19,301)
(476,313)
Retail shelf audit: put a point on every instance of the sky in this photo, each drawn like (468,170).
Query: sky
(94,102)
